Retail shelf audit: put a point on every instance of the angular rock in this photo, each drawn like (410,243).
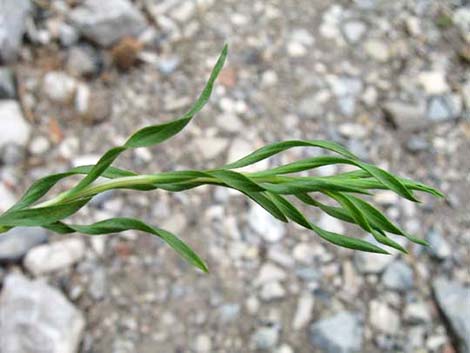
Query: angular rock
(52,257)
(406,116)
(269,273)
(13,14)
(15,243)
(82,61)
(368,263)
(442,108)
(398,276)
(266,337)
(341,333)
(107,21)
(7,83)
(265,225)
(304,311)
(353,31)
(383,318)
(34,315)
(438,245)
(15,129)
(272,291)
(454,301)
(433,82)
(417,313)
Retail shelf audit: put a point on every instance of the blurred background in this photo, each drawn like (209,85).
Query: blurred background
(388,79)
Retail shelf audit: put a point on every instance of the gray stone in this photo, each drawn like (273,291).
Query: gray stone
(12,154)
(454,301)
(15,243)
(417,313)
(168,65)
(369,263)
(107,21)
(406,116)
(98,283)
(55,256)
(15,129)
(398,276)
(441,108)
(229,312)
(82,61)
(7,83)
(37,318)
(416,144)
(13,14)
(68,35)
(438,245)
(353,31)
(341,333)
(310,106)
(266,337)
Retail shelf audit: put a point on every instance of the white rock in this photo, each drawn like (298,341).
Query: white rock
(353,31)
(184,11)
(269,273)
(377,50)
(211,147)
(55,256)
(272,291)
(7,198)
(35,317)
(265,225)
(39,145)
(59,86)
(371,263)
(433,82)
(352,130)
(461,19)
(203,344)
(13,15)
(383,318)
(417,313)
(330,223)
(296,50)
(107,21)
(304,253)
(303,313)
(284,349)
(82,99)
(229,122)
(15,129)
(386,198)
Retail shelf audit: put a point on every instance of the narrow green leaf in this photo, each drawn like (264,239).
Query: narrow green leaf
(42,215)
(115,225)
(338,239)
(153,134)
(275,148)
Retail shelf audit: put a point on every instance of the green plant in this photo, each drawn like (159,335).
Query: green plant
(270,189)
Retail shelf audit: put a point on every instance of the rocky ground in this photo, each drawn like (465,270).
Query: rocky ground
(388,79)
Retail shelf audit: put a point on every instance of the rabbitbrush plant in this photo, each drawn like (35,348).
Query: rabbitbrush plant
(272,189)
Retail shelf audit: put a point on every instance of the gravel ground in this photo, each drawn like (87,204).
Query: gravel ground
(389,80)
